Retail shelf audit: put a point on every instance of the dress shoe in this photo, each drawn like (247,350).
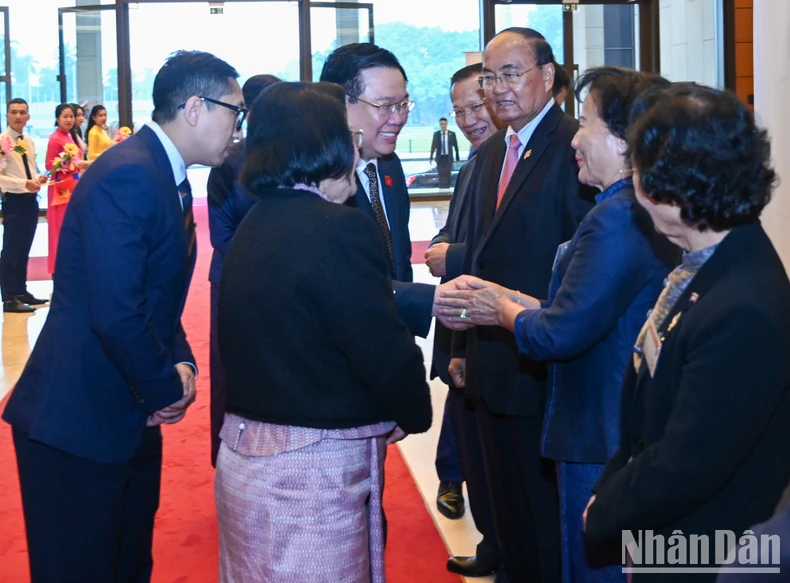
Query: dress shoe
(450,500)
(470,567)
(17,306)
(31,300)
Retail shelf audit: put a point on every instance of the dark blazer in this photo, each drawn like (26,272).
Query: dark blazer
(452,143)
(706,440)
(396,202)
(105,358)
(515,247)
(454,233)
(314,339)
(603,284)
(228,204)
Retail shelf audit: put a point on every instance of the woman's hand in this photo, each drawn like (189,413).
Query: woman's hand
(82,165)
(479,305)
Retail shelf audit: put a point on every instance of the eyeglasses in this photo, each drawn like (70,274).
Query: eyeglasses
(356,137)
(510,79)
(241,112)
(387,109)
(475,108)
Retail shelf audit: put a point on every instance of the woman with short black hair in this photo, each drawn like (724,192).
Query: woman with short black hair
(321,371)
(706,406)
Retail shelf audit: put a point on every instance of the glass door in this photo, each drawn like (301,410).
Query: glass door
(5,60)
(335,24)
(88,59)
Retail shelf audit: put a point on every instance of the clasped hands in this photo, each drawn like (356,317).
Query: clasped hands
(175,412)
(470,301)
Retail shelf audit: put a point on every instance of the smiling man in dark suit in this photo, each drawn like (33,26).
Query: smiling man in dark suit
(378,104)
(527,202)
(444,141)
(112,362)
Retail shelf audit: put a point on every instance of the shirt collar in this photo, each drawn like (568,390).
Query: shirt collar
(13,133)
(525,133)
(363,164)
(612,189)
(173,155)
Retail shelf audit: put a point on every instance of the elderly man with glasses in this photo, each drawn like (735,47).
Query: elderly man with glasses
(527,201)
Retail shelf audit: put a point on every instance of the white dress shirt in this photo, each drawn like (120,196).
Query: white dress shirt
(173,155)
(365,181)
(525,133)
(13,177)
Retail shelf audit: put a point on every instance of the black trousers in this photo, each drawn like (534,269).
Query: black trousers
(444,165)
(463,412)
(524,495)
(217,375)
(89,522)
(20,217)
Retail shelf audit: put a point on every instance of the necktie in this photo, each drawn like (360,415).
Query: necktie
(185,190)
(27,168)
(511,159)
(378,210)
(444,143)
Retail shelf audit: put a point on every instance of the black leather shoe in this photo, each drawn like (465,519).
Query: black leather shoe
(17,306)
(470,567)
(31,300)
(450,500)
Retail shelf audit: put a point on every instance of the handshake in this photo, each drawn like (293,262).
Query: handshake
(175,412)
(450,298)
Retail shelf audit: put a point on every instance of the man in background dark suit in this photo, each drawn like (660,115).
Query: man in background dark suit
(527,202)
(459,437)
(443,143)
(112,362)
(378,104)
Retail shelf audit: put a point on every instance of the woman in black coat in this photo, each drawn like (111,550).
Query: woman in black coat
(706,408)
(321,371)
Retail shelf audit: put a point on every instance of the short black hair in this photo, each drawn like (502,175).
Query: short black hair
(16,101)
(303,139)
(186,74)
(475,70)
(540,46)
(699,148)
(60,109)
(561,79)
(345,64)
(255,85)
(615,90)
(441,119)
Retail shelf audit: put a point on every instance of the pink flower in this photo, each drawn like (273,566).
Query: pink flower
(6,145)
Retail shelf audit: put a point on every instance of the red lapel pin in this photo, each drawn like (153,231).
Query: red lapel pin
(388,180)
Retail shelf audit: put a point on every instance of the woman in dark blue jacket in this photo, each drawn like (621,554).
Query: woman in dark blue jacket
(605,279)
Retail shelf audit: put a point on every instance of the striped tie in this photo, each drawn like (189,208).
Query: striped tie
(511,159)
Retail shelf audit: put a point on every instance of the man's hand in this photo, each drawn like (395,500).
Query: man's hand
(175,412)
(42,179)
(32,186)
(435,258)
(584,514)
(457,370)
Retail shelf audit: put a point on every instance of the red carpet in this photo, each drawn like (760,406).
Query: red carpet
(185,541)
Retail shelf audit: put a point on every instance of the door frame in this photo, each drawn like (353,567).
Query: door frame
(7,52)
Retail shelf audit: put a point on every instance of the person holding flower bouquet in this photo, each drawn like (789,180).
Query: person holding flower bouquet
(98,139)
(64,162)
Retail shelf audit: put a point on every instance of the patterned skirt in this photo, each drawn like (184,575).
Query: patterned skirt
(300,505)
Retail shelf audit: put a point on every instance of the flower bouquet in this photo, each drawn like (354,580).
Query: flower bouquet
(121,134)
(64,162)
(7,146)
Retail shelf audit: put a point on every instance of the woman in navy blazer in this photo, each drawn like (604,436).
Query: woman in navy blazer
(604,281)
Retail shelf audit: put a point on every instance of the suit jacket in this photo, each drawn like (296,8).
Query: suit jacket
(334,353)
(396,202)
(454,233)
(605,280)
(228,204)
(105,358)
(452,142)
(705,442)
(515,247)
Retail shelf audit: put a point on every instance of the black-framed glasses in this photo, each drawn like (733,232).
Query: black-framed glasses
(475,108)
(510,79)
(387,109)
(356,137)
(241,112)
